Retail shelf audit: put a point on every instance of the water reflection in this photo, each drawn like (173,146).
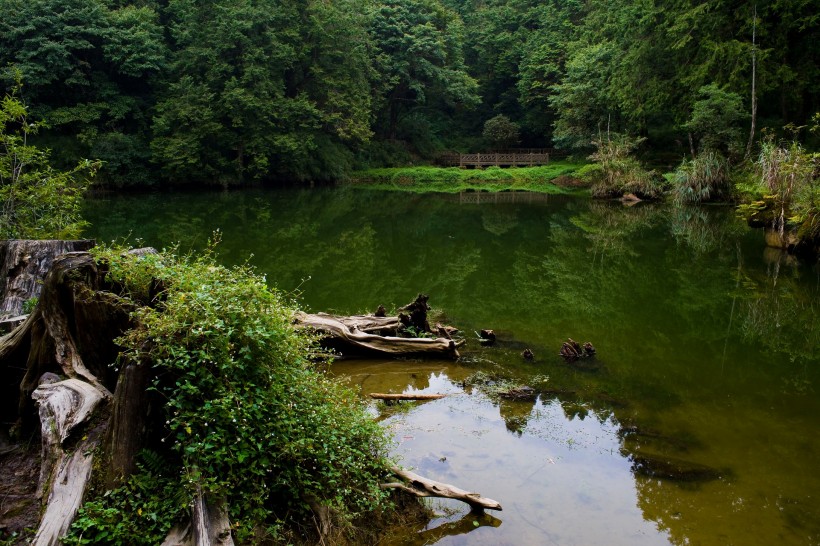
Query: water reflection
(560,480)
(707,351)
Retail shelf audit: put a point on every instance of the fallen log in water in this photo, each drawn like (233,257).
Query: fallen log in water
(425,487)
(349,335)
(409,396)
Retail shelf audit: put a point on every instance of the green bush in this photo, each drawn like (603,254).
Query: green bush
(620,173)
(704,178)
(792,177)
(248,417)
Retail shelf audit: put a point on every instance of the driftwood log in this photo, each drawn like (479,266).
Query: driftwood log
(373,336)
(418,314)
(425,487)
(572,350)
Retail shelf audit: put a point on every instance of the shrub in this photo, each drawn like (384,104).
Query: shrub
(501,132)
(790,174)
(621,173)
(248,417)
(704,178)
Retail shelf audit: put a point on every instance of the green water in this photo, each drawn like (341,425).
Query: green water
(707,352)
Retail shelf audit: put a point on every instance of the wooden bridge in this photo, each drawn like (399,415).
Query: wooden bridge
(517,158)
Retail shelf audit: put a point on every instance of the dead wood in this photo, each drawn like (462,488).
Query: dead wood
(418,314)
(24,264)
(209,525)
(343,334)
(425,487)
(408,396)
(64,406)
(572,350)
(71,332)
(487,337)
(56,369)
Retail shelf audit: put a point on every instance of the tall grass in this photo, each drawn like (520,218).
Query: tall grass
(702,179)
(790,174)
(620,173)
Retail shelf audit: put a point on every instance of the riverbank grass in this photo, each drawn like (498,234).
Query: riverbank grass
(555,178)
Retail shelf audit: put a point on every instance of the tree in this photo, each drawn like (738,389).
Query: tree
(582,99)
(90,68)
(500,131)
(39,202)
(418,58)
(258,85)
(715,119)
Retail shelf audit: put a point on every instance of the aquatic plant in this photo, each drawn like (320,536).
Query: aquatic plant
(787,191)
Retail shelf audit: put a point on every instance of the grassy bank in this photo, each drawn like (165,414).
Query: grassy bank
(555,178)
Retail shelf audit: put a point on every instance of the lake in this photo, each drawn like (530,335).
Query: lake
(696,422)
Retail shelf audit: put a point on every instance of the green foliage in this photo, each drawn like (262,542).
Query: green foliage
(30,304)
(237,91)
(704,178)
(580,98)
(248,417)
(557,177)
(621,173)
(791,175)
(714,120)
(418,57)
(39,202)
(89,67)
(501,132)
(140,512)
(261,89)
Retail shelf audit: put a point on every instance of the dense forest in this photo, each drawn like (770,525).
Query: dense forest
(235,91)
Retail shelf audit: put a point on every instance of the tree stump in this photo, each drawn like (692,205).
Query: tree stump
(24,264)
(572,350)
(418,314)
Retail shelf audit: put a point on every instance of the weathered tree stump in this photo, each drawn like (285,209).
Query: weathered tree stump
(486,337)
(572,350)
(56,370)
(418,314)
(24,264)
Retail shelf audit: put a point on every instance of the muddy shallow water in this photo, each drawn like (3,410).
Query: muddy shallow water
(696,423)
